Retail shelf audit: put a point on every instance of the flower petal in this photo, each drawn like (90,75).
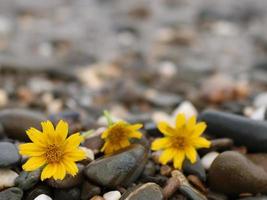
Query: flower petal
(201,142)
(124,143)
(105,134)
(179,159)
(62,130)
(180,120)
(60,172)
(167,155)
(161,143)
(191,123)
(191,154)
(36,136)
(48,127)
(48,171)
(70,166)
(76,155)
(34,163)
(199,128)
(73,141)
(135,127)
(135,134)
(31,149)
(166,129)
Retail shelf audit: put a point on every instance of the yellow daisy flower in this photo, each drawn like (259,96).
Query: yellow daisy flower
(53,150)
(117,136)
(180,141)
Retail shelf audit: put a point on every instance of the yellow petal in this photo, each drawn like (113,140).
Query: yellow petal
(70,166)
(191,123)
(199,128)
(135,134)
(107,148)
(105,134)
(76,155)
(124,143)
(191,154)
(166,129)
(180,120)
(161,143)
(73,141)
(135,127)
(34,163)
(48,127)
(201,142)
(36,136)
(62,130)
(31,149)
(167,155)
(60,172)
(178,159)
(48,171)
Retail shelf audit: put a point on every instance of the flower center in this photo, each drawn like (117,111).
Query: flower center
(117,133)
(179,142)
(53,154)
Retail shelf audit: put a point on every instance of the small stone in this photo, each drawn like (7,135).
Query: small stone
(112,195)
(242,130)
(13,193)
(7,178)
(3,98)
(121,168)
(144,192)
(27,180)
(9,119)
(208,159)
(172,185)
(97,198)
(89,190)
(259,159)
(9,155)
(38,190)
(186,189)
(69,194)
(43,197)
(260,100)
(196,182)
(254,198)
(259,114)
(150,169)
(195,169)
(186,108)
(221,144)
(90,156)
(94,141)
(165,170)
(69,181)
(232,173)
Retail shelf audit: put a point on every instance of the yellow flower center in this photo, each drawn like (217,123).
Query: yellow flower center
(53,154)
(117,133)
(179,142)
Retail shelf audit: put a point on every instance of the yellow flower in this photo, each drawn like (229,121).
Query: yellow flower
(117,136)
(180,141)
(53,150)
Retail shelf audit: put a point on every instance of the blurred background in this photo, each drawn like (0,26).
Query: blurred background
(136,58)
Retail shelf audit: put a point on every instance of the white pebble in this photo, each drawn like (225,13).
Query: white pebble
(260,100)
(259,114)
(88,152)
(186,108)
(7,178)
(43,197)
(3,98)
(208,159)
(112,195)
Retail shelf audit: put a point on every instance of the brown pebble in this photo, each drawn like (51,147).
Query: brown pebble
(155,156)
(222,144)
(97,198)
(171,187)
(165,170)
(196,182)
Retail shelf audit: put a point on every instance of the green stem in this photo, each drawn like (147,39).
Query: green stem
(108,117)
(87,133)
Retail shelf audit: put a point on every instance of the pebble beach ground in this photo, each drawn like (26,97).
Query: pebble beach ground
(144,62)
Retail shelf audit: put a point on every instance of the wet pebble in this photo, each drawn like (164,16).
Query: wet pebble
(121,168)
(69,181)
(144,192)
(9,119)
(242,130)
(69,194)
(208,159)
(9,155)
(27,180)
(7,178)
(232,173)
(13,193)
(112,195)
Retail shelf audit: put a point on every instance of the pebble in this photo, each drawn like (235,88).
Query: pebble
(221,144)
(259,159)
(9,119)
(195,169)
(69,181)
(27,180)
(7,178)
(260,100)
(144,192)
(208,159)
(172,185)
(233,173)
(13,193)
(97,198)
(186,108)
(259,113)
(112,195)
(3,98)
(242,130)
(255,198)
(94,141)
(89,190)
(196,182)
(165,170)
(69,194)
(43,197)
(185,187)
(38,190)
(9,155)
(90,156)
(121,168)
(150,169)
